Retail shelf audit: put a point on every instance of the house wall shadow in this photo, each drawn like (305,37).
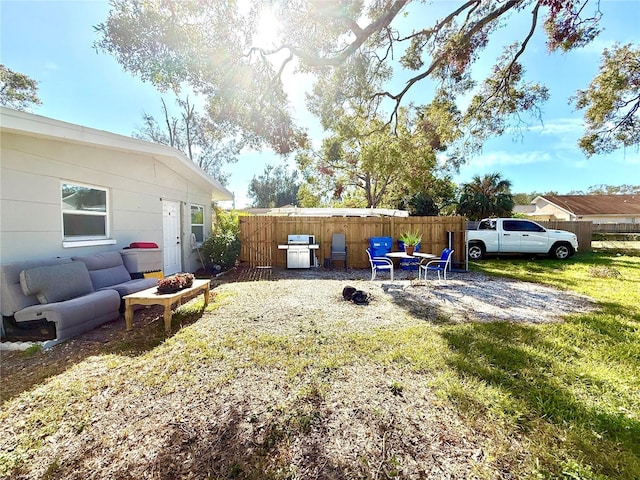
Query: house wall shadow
(21,371)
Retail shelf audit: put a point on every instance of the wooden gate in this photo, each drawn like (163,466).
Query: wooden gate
(256,239)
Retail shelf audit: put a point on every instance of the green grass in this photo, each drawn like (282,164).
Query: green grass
(32,350)
(573,388)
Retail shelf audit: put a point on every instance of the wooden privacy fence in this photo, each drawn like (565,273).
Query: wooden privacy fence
(616,228)
(261,235)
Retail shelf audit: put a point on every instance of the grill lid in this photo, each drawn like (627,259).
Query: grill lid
(298,239)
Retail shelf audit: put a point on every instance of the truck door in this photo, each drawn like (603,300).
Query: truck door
(534,237)
(510,236)
(525,235)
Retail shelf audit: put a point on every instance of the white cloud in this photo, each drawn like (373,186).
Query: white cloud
(560,126)
(51,66)
(504,158)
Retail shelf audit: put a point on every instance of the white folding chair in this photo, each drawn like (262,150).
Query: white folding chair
(379,263)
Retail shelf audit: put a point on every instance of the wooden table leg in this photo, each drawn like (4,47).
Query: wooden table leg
(128,314)
(206,295)
(167,317)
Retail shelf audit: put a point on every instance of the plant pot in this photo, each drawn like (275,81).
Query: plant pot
(409,249)
(165,290)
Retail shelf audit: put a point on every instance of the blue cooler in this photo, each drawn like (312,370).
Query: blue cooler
(380,245)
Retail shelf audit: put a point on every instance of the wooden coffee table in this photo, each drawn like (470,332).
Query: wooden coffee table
(150,296)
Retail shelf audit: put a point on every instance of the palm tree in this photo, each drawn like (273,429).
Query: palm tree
(485,197)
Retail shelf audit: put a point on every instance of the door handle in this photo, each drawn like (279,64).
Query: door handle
(525,234)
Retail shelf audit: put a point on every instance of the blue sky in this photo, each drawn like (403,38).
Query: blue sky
(51,41)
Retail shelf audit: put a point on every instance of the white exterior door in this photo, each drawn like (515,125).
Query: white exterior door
(171,237)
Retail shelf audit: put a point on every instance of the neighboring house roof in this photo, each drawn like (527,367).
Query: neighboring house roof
(328,212)
(589,205)
(23,123)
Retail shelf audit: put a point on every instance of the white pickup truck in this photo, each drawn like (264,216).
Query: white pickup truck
(515,235)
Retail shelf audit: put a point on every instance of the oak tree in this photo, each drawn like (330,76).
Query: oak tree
(17,90)
(369,164)
(612,102)
(364,52)
(194,135)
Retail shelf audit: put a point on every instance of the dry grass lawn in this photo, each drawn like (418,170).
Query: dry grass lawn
(281,378)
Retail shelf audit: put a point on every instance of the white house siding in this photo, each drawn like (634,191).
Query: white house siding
(32,170)
(543,208)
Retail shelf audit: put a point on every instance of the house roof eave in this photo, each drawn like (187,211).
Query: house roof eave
(560,207)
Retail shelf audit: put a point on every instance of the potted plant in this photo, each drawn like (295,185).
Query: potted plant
(175,283)
(410,240)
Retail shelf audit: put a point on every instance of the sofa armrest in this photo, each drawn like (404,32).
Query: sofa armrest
(34,312)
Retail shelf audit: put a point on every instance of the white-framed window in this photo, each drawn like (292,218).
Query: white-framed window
(85,214)
(197,222)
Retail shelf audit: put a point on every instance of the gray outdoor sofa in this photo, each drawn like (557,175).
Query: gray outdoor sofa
(76,294)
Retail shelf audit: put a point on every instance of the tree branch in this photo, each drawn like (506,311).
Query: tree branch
(438,60)
(504,81)
(362,35)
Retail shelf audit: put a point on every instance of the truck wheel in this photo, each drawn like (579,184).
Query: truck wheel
(476,251)
(561,251)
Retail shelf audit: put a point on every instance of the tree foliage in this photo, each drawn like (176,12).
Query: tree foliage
(486,196)
(609,190)
(612,102)
(221,250)
(526,198)
(17,90)
(356,50)
(438,197)
(276,187)
(307,198)
(366,164)
(207,45)
(627,189)
(194,135)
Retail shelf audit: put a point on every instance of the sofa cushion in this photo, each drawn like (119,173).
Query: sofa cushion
(56,283)
(133,286)
(105,269)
